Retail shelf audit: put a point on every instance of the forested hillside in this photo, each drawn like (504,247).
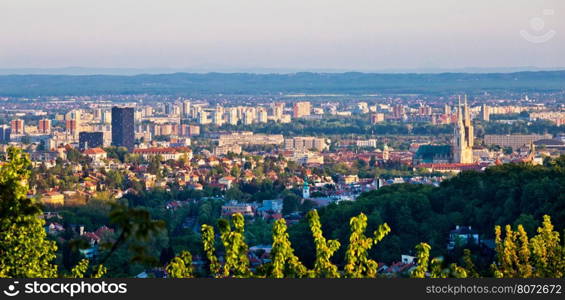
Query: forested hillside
(244,83)
(508,194)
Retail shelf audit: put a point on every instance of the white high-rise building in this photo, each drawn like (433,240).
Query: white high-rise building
(232,116)
(278,110)
(203,117)
(218,118)
(186,109)
(262,115)
(249,116)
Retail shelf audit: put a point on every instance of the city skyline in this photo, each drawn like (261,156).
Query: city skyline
(282,139)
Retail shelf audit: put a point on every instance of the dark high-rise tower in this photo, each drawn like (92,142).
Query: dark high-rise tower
(123,134)
(5,134)
(90,140)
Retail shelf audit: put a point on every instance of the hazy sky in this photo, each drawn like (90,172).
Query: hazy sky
(295,34)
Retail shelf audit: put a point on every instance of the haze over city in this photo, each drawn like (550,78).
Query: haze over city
(280,36)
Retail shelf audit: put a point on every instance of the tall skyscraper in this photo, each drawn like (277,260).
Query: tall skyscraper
(90,140)
(463,139)
(301,109)
(123,131)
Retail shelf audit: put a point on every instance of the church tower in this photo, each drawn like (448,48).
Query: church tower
(463,135)
(385,152)
(306,190)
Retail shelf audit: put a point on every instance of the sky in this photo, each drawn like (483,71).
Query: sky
(357,35)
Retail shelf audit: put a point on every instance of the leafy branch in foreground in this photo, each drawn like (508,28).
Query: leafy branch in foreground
(435,266)
(522,257)
(237,262)
(518,256)
(180,266)
(284,262)
(79,271)
(133,223)
(323,267)
(24,248)
(208,241)
(359,265)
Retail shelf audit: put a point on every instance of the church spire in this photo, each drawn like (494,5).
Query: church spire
(459,113)
(466,114)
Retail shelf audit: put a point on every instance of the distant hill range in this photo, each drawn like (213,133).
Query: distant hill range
(355,83)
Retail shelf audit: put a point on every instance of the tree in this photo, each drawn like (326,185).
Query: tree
(434,269)
(521,257)
(284,262)
(358,263)
(423,256)
(180,266)
(208,241)
(323,267)
(81,268)
(291,203)
(236,260)
(373,161)
(24,248)
(469,265)
(134,224)
(114,179)
(235,171)
(155,165)
(118,153)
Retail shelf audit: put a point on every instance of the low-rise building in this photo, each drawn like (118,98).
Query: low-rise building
(97,154)
(462,236)
(53,198)
(233,207)
(167,153)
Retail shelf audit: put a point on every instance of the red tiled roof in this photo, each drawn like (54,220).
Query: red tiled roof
(52,194)
(163,150)
(458,166)
(92,151)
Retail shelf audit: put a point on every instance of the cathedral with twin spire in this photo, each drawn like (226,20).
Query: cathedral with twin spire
(463,136)
(460,152)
